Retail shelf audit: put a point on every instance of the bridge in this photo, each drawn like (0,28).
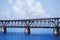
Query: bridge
(32,23)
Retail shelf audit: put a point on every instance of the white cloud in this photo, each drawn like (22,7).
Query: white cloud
(29,3)
(18,12)
(37,9)
(16,9)
(10,2)
(28,9)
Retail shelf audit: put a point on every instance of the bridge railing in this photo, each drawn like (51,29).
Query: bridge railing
(46,22)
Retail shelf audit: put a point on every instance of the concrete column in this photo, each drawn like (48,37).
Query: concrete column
(3,29)
(59,30)
(27,30)
(56,31)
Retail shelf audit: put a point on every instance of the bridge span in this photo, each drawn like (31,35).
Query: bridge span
(32,23)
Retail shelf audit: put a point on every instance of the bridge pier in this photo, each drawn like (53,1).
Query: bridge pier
(27,30)
(56,31)
(3,29)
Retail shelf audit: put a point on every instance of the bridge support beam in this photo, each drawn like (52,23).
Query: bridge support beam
(3,29)
(27,30)
(56,31)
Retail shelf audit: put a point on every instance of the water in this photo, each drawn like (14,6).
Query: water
(36,34)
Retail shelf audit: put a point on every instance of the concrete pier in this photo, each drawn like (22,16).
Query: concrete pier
(3,29)
(27,30)
(56,31)
(59,31)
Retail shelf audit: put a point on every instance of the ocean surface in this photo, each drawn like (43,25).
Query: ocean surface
(36,34)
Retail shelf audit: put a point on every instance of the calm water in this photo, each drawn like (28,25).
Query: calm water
(36,34)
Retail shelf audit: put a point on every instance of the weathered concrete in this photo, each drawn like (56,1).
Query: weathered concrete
(3,29)
(56,31)
(27,30)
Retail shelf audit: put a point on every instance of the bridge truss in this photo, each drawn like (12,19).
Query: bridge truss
(32,23)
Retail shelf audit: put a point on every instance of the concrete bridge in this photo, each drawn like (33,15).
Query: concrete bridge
(32,23)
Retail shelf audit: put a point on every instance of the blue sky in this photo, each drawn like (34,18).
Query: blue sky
(25,9)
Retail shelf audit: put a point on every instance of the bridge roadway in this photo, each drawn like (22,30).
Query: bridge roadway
(31,23)
(30,27)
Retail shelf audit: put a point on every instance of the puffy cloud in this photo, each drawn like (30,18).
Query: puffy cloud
(10,2)
(28,9)
(16,9)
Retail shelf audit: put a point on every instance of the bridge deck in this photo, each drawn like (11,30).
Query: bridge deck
(33,23)
(30,27)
